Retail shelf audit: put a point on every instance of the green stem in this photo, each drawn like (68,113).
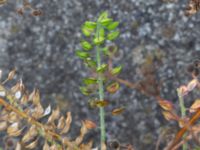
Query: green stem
(101,91)
(183,111)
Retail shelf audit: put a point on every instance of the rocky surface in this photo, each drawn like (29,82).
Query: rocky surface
(43,51)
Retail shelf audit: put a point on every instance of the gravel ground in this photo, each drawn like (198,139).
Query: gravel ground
(43,51)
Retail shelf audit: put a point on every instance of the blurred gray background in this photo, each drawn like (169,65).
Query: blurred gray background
(42,49)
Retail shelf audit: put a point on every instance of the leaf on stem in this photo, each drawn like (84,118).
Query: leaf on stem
(112,35)
(113,87)
(118,111)
(98,40)
(116,70)
(90,25)
(86,91)
(103,15)
(86,45)
(192,84)
(11,74)
(89,124)
(89,81)
(106,22)
(113,25)
(195,106)
(90,63)
(82,55)
(169,115)
(86,31)
(102,68)
(101,103)
(166,105)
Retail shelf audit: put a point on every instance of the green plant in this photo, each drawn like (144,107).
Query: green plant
(94,50)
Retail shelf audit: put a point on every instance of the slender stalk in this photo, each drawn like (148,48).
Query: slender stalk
(101,91)
(183,111)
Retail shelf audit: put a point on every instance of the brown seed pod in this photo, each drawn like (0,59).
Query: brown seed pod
(36,13)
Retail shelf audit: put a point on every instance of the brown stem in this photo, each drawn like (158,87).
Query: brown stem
(182,131)
(30,120)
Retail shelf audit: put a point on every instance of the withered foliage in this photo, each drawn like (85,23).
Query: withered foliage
(150,85)
(22,115)
(193,7)
(26,5)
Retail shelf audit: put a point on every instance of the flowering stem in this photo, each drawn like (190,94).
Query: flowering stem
(183,111)
(101,90)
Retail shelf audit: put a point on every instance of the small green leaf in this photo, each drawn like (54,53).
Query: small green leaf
(113,35)
(98,40)
(116,70)
(101,32)
(106,22)
(105,50)
(86,45)
(90,25)
(82,55)
(90,63)
(85,91)
(102,16)
(102,68)
(89,81)
(87,32)
(113,25)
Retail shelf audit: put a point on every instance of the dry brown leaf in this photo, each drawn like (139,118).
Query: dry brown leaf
(2,91)
(38,111)
(2,2)
(11,74)
(46,146)
(54,147)
(193,7)
(67,123)
(169,116)
(195,106)
(16,87)
(32,145)
(18,146)
(13,117)
(4,115)
(3,125)
(103,146)
(118,111)
(90,124)
(83,131)
(35,96)
(87,146)
(192,84)
(55,115)
(24,99)
(166,105)
(13,129)
(30,134)
(61,123)
(65,141)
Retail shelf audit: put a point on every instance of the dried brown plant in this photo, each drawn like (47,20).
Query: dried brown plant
(26,5)
(193,7)
(22,115)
